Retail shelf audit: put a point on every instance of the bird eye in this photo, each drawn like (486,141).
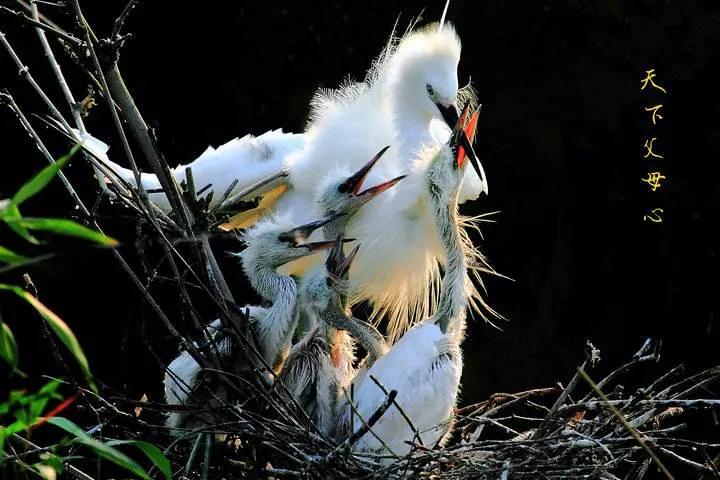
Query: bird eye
(430,90)
(287,238)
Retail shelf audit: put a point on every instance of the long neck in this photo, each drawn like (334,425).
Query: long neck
(410,124)
(453,301)
(275,329)
(268,282)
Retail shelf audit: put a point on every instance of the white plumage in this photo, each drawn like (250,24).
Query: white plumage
(425,365)
(409,94)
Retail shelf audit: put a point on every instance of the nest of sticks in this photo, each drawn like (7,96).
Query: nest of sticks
(632,424)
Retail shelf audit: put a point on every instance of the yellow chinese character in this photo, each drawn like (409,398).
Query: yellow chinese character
(649,75)
(654,180)
(654,216)
(649,147)
(655,112)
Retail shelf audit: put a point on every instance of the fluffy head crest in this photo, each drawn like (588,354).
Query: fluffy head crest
(429,41)
(417,45)
(270,225)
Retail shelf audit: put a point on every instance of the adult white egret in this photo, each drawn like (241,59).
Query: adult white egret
(406,99)
(270,244)
(425,365)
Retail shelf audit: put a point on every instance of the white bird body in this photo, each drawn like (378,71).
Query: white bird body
(425,365)
(411,89)
(248,159)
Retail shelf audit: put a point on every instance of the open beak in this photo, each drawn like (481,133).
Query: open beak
(462,138)
(449,113)
(354,183)
(372,192)
(301,233)
(337,263)
(324,245)
(345,266)
(467,140)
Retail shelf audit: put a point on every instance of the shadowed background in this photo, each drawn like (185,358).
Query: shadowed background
(561,137)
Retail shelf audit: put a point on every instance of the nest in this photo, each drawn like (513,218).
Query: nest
(628,425)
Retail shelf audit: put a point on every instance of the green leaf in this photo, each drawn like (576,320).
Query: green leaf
(42,178)
(60,328)
(10,215)
(8,345)
(151,451)
(63,226)
(10,257)
(102,449)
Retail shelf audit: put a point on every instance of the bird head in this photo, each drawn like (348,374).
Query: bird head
(348,196)
(447,168)
(272,243)
(422,72)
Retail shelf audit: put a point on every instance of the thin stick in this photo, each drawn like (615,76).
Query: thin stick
(50,28)
(120,21)
(402,412)
(627,425)
(55,66)
(41,146)
(367,425)
(24,72)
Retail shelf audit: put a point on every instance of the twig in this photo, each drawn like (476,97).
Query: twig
(399,408)
(50,28)
(625,423)
(55,66)
(120,20)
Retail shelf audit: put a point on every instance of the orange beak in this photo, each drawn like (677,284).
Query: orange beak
(470,130)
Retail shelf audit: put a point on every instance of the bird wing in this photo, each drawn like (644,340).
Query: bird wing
(248,218)
(250,160)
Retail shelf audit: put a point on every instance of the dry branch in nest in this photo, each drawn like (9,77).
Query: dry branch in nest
(623,426)
(629,425)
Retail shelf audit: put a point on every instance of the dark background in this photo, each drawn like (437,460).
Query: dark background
(561,137)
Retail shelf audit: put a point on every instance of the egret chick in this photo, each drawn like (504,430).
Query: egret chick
(270,244)
(425,365)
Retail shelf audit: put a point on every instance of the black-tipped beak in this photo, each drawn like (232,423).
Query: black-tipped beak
(469,151)
(449,113)
(354,183)
(301,233)
(461,141)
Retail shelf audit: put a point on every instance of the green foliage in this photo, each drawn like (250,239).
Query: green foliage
(59,327)
(107,450)
(10,257)
(8,346)
(11,216)
(24,410)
